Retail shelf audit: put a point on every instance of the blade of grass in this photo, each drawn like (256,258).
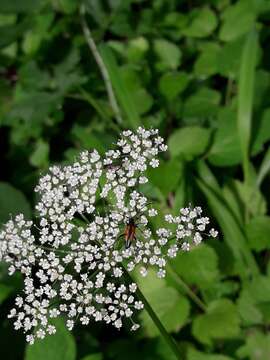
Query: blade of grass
(264,168)
(233,235)
(245,96)
(123,95)
(232,229)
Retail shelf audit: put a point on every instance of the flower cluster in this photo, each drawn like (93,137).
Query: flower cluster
(94,225)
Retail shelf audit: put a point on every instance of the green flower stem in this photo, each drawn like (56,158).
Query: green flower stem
(166,336)
(185,287)
(103,70)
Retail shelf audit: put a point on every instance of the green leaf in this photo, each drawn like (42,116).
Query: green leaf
(168,53)
(58,346)
(237,20)
(40,157)
(232,230)
(33,38)
(202,25)
(173,170)
(251,197)
(198,267)
(12,202)
(207,63)
(225,150)
(10,33)
(221,321)
(142,100)
(189,141)
(171,307)
(172,84)
(202,104)
(260,132)
(245,96)
(137,49)
(259,288)
(229,58)
(66,6)
(264,168)
(249,312)
(17,6)
(193,354)
(257,346)
(122,93)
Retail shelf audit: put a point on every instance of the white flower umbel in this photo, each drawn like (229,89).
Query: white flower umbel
(93,220)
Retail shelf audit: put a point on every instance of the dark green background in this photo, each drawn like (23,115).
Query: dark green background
(200,72)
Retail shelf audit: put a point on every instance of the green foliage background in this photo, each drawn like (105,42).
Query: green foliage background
(200,72)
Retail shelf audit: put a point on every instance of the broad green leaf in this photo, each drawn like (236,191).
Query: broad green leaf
(173,170)
(258,231)
(221,321)
(245,96)
(257,346)
(207,62)
(237,20)
(12,202)
(171,307)
(193,354)
(254,301)
(189,141)
(249,312)
(202,25)
(122,93)
(58,346)
(259,288)
(172,84)
(142,100)
(229,58)
(168,53)
(220,289)
(40,157)
(202,104)
(225,150)
(198,267)
(137,49)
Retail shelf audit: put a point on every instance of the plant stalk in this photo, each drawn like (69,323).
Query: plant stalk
(186,288)
(104,72)
(166,336)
